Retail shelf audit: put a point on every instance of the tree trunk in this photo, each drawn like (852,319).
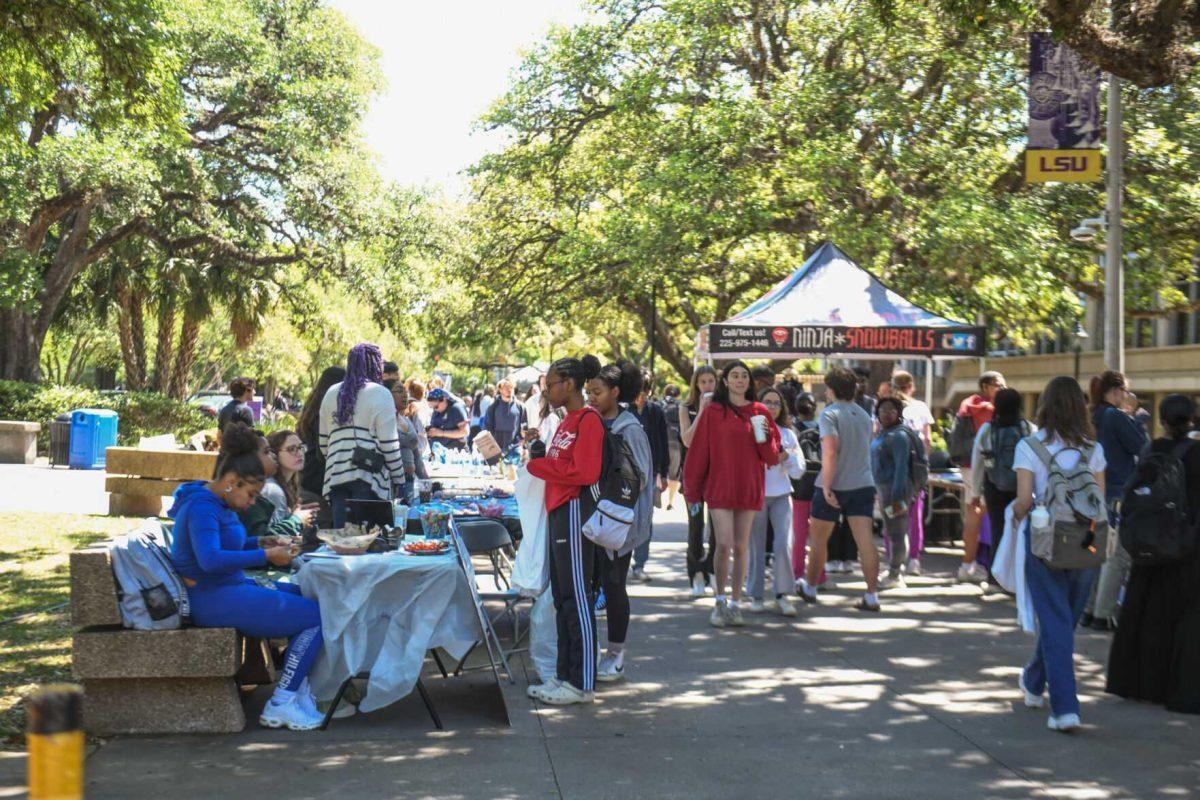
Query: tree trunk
(185,356)
(132,336)
(164,349)
(20,347)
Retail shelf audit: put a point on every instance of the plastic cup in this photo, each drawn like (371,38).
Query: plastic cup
(759,423)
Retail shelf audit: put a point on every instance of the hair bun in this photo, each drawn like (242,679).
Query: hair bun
(237,439)
(591,367)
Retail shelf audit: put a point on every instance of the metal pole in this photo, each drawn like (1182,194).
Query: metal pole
(929,386)
(1114,276)
(653,322)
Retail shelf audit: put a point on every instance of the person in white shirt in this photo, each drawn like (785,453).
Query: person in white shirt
(918,417)
(1059,595)
(777,510)
(533,403)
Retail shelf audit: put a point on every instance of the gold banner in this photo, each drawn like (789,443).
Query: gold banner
(1065,166)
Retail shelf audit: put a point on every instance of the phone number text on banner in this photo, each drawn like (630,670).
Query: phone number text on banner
(820,339)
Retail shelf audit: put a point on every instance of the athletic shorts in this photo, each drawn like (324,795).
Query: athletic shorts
(854,503)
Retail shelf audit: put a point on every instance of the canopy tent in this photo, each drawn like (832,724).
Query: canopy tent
(831,306)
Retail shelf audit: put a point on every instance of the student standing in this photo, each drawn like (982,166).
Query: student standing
(994,479)
(1058,594)
(724,470)
(802,490)
(845,486)
(1123,441)
(505,418)
(449,423)
(918,417)
(312,478)
(674,445)
(699,561)
(572,461)
(777,511)
(241,393)
(890,454)
(1156,650)
(617,385)
(654,421)
(977,409)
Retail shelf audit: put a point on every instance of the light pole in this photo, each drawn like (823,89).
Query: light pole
(1114,273)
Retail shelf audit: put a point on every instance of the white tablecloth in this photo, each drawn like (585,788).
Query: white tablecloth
(381,613)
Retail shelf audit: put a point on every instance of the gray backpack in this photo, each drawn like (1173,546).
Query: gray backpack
(1077,536)
(151,594)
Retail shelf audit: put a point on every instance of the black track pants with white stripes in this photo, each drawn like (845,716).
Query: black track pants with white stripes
(572,561)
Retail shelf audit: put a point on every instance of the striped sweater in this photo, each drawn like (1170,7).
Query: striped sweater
(373,427)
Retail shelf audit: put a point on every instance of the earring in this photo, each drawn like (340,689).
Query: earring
(228,489)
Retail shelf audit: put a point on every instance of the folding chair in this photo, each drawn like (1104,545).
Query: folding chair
(425,698)
(488,537)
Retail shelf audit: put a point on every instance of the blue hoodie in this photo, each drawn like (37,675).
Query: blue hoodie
(211,545)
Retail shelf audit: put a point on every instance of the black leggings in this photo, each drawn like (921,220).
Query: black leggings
(697,560)
(997,500)
(611,574)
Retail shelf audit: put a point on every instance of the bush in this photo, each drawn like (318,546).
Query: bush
(141,413)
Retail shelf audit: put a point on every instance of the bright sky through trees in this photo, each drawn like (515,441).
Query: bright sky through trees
(444,64)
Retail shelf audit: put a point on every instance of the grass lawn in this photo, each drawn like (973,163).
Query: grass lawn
(36,649)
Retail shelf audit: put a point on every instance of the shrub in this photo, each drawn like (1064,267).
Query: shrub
(141,413)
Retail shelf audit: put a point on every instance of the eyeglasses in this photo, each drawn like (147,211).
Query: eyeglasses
(772,403)
(296,449)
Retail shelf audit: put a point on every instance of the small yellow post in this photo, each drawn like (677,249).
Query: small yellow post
(55,740)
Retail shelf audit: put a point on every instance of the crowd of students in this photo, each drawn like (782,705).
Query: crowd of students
(772,487)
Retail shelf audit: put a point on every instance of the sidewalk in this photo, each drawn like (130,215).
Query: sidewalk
(917,702)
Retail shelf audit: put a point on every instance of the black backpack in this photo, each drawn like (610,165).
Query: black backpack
(961,440)
(1156,523)
(998,453)
(620,479)
(810,446)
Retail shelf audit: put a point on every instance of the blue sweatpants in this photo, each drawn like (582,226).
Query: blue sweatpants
(1059,596)
(264,614)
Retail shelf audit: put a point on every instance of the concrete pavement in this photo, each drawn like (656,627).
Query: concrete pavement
(917,702)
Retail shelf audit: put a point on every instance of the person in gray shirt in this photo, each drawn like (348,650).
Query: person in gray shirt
(844,487)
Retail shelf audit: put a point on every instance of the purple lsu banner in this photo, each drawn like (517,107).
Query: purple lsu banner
(1064,114)
(771,341)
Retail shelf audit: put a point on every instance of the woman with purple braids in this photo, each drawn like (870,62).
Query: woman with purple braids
(358,436)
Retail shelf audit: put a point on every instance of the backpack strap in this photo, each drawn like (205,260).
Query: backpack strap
(1039,449)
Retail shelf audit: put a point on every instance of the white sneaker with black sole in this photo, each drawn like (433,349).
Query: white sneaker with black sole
(612,668)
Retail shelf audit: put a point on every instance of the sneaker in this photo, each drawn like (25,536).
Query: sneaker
(733,616)
(612,668)
(892,580)
(601,601)
(565,694)
(805,596)
(699,587)
(835,567)
(291,714)
(914,566)
(867,605)
(536,690)
(1031,700)
(968,573)
(1086,620)
(1064,722)
(1103,624)
(756,606)
(638,575)
(785,606)
(719,616)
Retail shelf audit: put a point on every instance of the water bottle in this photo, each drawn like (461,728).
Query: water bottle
(1039,518)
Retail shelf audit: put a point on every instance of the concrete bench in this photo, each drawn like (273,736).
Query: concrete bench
(138,480)
(18,442)
(175,681)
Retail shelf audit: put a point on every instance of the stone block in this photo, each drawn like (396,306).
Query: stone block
(175,705)
(18,442)
(135,505)
(173,465)
(93,590)
(183,653)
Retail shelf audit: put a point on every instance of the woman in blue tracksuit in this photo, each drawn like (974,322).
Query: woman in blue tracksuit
(210,551)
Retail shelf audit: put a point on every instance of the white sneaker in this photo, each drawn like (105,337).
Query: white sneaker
(638,575)
(1064,723)
(1031,700)
(291,714)
(698,586)
(785,606)
(968,573)
(536,690)
(756,606)
(564,694)
(914,566)
(891,580)
(612,668)
(718,617)
(834,567)
(733,616)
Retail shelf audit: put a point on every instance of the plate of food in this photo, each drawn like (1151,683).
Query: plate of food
(427,547)
(351,540)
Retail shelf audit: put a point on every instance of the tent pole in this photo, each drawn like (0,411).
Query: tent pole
(929,385)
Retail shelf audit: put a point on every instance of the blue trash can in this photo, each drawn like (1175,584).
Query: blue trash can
(93,430)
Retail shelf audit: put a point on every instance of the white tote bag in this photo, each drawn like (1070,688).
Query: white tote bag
(531,571)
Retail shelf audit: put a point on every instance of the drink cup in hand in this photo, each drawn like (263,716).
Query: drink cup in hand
(759,423)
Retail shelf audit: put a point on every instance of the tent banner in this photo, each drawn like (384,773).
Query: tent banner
(779,340)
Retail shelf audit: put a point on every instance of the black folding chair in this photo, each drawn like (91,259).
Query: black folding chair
(488,537)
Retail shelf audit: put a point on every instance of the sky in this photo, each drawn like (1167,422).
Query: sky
(444,65)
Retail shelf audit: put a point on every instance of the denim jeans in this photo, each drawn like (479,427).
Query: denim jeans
(338,495)
(641,554)
(1059,596)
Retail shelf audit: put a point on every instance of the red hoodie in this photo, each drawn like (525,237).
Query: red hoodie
(724,464)
(573,458)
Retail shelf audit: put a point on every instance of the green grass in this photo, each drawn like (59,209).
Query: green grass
(36,649)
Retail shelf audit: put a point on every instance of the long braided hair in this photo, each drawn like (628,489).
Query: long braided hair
(364,365)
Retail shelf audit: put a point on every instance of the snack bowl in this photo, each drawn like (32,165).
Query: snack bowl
(347,544)
(428,547)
